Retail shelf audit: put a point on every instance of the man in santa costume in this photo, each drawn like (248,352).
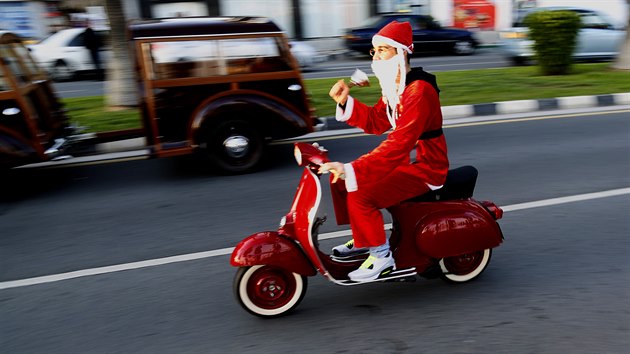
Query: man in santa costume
(410,106)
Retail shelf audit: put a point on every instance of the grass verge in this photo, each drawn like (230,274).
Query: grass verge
(457,88)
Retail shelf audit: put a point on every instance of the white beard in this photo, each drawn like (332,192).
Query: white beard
(386,72)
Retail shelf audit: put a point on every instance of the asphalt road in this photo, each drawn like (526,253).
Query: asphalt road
(557,284)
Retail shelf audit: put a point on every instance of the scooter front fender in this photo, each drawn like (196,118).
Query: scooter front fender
(271,248)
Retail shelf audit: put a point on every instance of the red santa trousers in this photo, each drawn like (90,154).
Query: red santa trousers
(364,205)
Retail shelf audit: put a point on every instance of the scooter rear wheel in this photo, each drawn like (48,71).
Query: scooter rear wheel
(268,291)
(466,267)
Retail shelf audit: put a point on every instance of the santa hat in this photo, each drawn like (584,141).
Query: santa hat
(396,34)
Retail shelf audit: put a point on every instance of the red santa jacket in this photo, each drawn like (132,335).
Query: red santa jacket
(419,112)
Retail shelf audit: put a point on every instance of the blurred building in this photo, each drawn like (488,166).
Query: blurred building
(30,19)
(328,18)
(300,18)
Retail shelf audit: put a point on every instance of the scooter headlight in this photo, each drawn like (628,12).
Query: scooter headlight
(287,224)
(298,155)
(283,221)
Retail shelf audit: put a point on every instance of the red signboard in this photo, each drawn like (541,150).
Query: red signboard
(474,14)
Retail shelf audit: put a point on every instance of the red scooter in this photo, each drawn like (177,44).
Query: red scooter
(443,233)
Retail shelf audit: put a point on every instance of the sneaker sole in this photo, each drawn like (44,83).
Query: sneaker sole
(356,256)
(350,254)
(396,275)
(377,276)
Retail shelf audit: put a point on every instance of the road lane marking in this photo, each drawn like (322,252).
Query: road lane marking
(564,200)
(226,251)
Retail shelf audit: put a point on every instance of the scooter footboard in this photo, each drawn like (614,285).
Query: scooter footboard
(458,230)
(270,248)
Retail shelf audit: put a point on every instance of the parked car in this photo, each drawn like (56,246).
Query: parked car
(33,125)
(598,37)
(305,54)
(63,54)
(428,35)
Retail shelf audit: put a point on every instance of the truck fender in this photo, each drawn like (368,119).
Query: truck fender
(258,104)
(271,248)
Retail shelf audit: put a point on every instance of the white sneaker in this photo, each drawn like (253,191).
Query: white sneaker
(348,249)
(373,267)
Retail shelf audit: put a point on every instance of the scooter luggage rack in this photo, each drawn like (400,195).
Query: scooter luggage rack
(397,274)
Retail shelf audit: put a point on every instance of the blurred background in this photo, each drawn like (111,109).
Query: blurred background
(301,19)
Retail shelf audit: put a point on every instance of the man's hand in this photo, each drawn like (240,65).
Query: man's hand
(336,168)
(339,92)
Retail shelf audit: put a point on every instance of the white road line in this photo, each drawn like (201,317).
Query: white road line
(226,251)
(569,199)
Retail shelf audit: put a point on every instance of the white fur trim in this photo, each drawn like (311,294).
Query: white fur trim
(343,115)
(351,178)
(380,39)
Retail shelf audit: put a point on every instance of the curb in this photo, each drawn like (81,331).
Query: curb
(518,106)
(525,106)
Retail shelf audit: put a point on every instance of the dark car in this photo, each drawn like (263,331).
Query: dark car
(428,35)
(222,86)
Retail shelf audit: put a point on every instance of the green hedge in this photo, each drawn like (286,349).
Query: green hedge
(554,34)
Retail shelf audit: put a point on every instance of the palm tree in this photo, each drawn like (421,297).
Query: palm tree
(623,59)
(120,87)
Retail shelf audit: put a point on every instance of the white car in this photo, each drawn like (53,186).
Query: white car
(305,54)
(597,38)
(63,54)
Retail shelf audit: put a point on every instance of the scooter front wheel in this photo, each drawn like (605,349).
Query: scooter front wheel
(465,267)
(268,291)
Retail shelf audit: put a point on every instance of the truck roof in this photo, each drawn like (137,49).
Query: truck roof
(9,37)
(199,26)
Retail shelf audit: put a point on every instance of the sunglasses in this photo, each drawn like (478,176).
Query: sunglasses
(380,50)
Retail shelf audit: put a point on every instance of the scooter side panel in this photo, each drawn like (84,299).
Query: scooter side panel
(270,248)
(457,228)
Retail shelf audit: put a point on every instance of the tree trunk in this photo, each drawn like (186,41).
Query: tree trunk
(120,86)
(623,58)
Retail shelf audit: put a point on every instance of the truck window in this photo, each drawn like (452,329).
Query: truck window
(203,58)
(4,85)
(12,63)
(22,52)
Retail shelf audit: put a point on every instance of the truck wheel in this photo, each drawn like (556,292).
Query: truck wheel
(268,291)
(234,146)
(466,267)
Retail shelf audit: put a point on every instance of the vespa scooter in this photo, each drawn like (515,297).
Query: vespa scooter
(443,233)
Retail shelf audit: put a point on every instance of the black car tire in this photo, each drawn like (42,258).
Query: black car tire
(519,61)
(61,71)
(234,146)
(464,47)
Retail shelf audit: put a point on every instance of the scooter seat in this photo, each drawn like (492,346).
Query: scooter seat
(460,184)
